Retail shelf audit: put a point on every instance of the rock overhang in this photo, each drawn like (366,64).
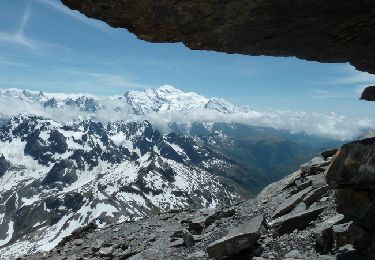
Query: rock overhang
(324,31)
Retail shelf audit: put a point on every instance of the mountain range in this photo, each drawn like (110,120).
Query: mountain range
(165,98)
(59,175)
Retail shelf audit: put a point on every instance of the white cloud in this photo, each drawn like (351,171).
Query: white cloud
(327,125)
(347,74)
(20,38)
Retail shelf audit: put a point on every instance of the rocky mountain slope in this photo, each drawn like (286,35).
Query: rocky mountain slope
(56,177)
(273,153)
(295,218)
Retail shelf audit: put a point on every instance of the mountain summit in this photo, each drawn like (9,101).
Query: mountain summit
(164,99)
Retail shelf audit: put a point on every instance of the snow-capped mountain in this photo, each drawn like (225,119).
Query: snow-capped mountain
(168,98)
(163,99)
(56,177)
(82,102)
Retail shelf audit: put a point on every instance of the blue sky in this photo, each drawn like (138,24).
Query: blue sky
(45,46)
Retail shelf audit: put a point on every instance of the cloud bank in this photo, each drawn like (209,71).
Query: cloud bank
(326,125)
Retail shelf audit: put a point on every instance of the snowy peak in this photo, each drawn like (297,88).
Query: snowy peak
(30,96)
(82,102)
(165,98)
(168,98)
(223,106)
(132,103)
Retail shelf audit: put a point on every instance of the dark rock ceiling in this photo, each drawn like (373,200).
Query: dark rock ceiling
(318,30)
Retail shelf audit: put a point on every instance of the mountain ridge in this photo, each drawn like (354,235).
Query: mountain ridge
(66,176)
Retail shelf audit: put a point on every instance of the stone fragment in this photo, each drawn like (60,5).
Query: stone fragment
(207,217)
(301,186)
(329,153)
(188,239)
(318,180)
(298,220)
(177,243)
(324,234)
(314,166)
(314,195)
(243,237)
(295,254)
(289,182)
(289,204)
(106,251)
(346,233)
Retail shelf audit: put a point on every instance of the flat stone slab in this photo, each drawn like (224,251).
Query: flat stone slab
(290,203)
(241,238)
(299,220)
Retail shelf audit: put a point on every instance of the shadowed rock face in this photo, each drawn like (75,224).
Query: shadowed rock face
(353,175)
(320,30)
(368,93)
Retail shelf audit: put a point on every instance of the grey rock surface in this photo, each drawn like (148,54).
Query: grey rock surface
(241,231)
(241,238)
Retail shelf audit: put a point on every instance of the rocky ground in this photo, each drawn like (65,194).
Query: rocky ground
(294,218)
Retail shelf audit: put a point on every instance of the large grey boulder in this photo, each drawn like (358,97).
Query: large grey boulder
(346,233)
(188,239)
(315,194)
(298,220)
(206,218)
(290,203)
(243,237)
(324,234)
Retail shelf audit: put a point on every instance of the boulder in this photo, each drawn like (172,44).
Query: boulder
(314,166)
(188,238)
(368,93)
(290,181)
(324,234)
(106,251)
(290,203)
(346,233)
(318,180)
(315,194)
(301,186)
(297,220)
(241,238)
(178,243)
(206,217)
(329,153)
(294,254)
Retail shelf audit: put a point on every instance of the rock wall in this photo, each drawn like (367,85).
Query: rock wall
(352,174)
(320,30)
